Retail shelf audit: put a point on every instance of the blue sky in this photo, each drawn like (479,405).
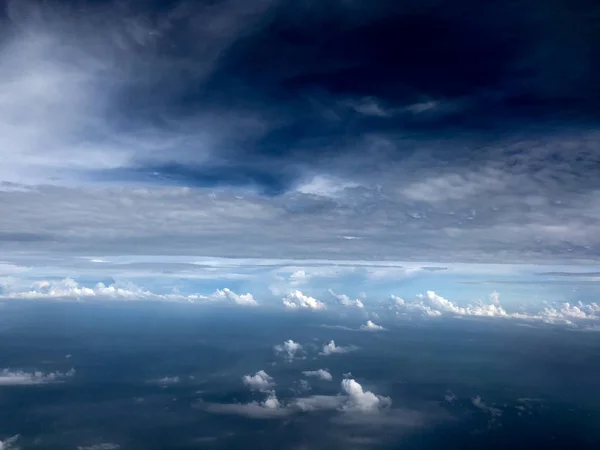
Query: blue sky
(200,146)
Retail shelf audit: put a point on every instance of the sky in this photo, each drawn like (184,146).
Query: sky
(207,150)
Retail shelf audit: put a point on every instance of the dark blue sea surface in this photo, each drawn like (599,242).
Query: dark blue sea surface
(144,373)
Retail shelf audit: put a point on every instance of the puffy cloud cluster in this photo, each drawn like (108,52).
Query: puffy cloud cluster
(322,374)
(432,305)
(289,349)
(331,349)
(21,378)
(567,312)
(346,301)
(297,300)
(361,400)
(371,326)
(260,381)
(352,399)
(70,289)
(227,294)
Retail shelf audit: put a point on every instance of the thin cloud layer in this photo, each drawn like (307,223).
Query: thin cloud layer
(21,378)
(322,374)
(70,289)
(166,146)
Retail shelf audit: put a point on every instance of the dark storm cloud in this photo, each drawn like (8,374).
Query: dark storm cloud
(455,130)
(270,92)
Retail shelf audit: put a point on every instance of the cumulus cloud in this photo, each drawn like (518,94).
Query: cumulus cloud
(332,349)
(362,400)
(346,301)
(352,399)
(243,299)
(371,326)
(297,300)
(260,381)
(289,349)
(322,374)
(20,378)
(434,305)
(566,312)
(68,288)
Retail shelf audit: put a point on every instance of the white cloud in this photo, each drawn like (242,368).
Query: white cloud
(68,288)
(346,301)
(567,312)
(270,408)
(9,443)
(353,400)
(289,349)
(296,300)
(331,349)
(322,374)
(21,378)
(260,381)
(325,186)
(362,400)
(319,402)
(432,304)
(371,326)
(243,299)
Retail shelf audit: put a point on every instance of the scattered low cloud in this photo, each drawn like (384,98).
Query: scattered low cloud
(68,288)
(261,381)
(371,326)
(322,374)
(434,305)
(168,381)
(267,409)
(10,443)
(243,299)
(362,400)
(352,399)
(103,446)
(450,397)
(346,301)
(332,349)
(289,349)
(297,300)
(478,403)
(20,378)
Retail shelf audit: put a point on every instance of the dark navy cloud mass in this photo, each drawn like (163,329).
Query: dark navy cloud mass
(455,130)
